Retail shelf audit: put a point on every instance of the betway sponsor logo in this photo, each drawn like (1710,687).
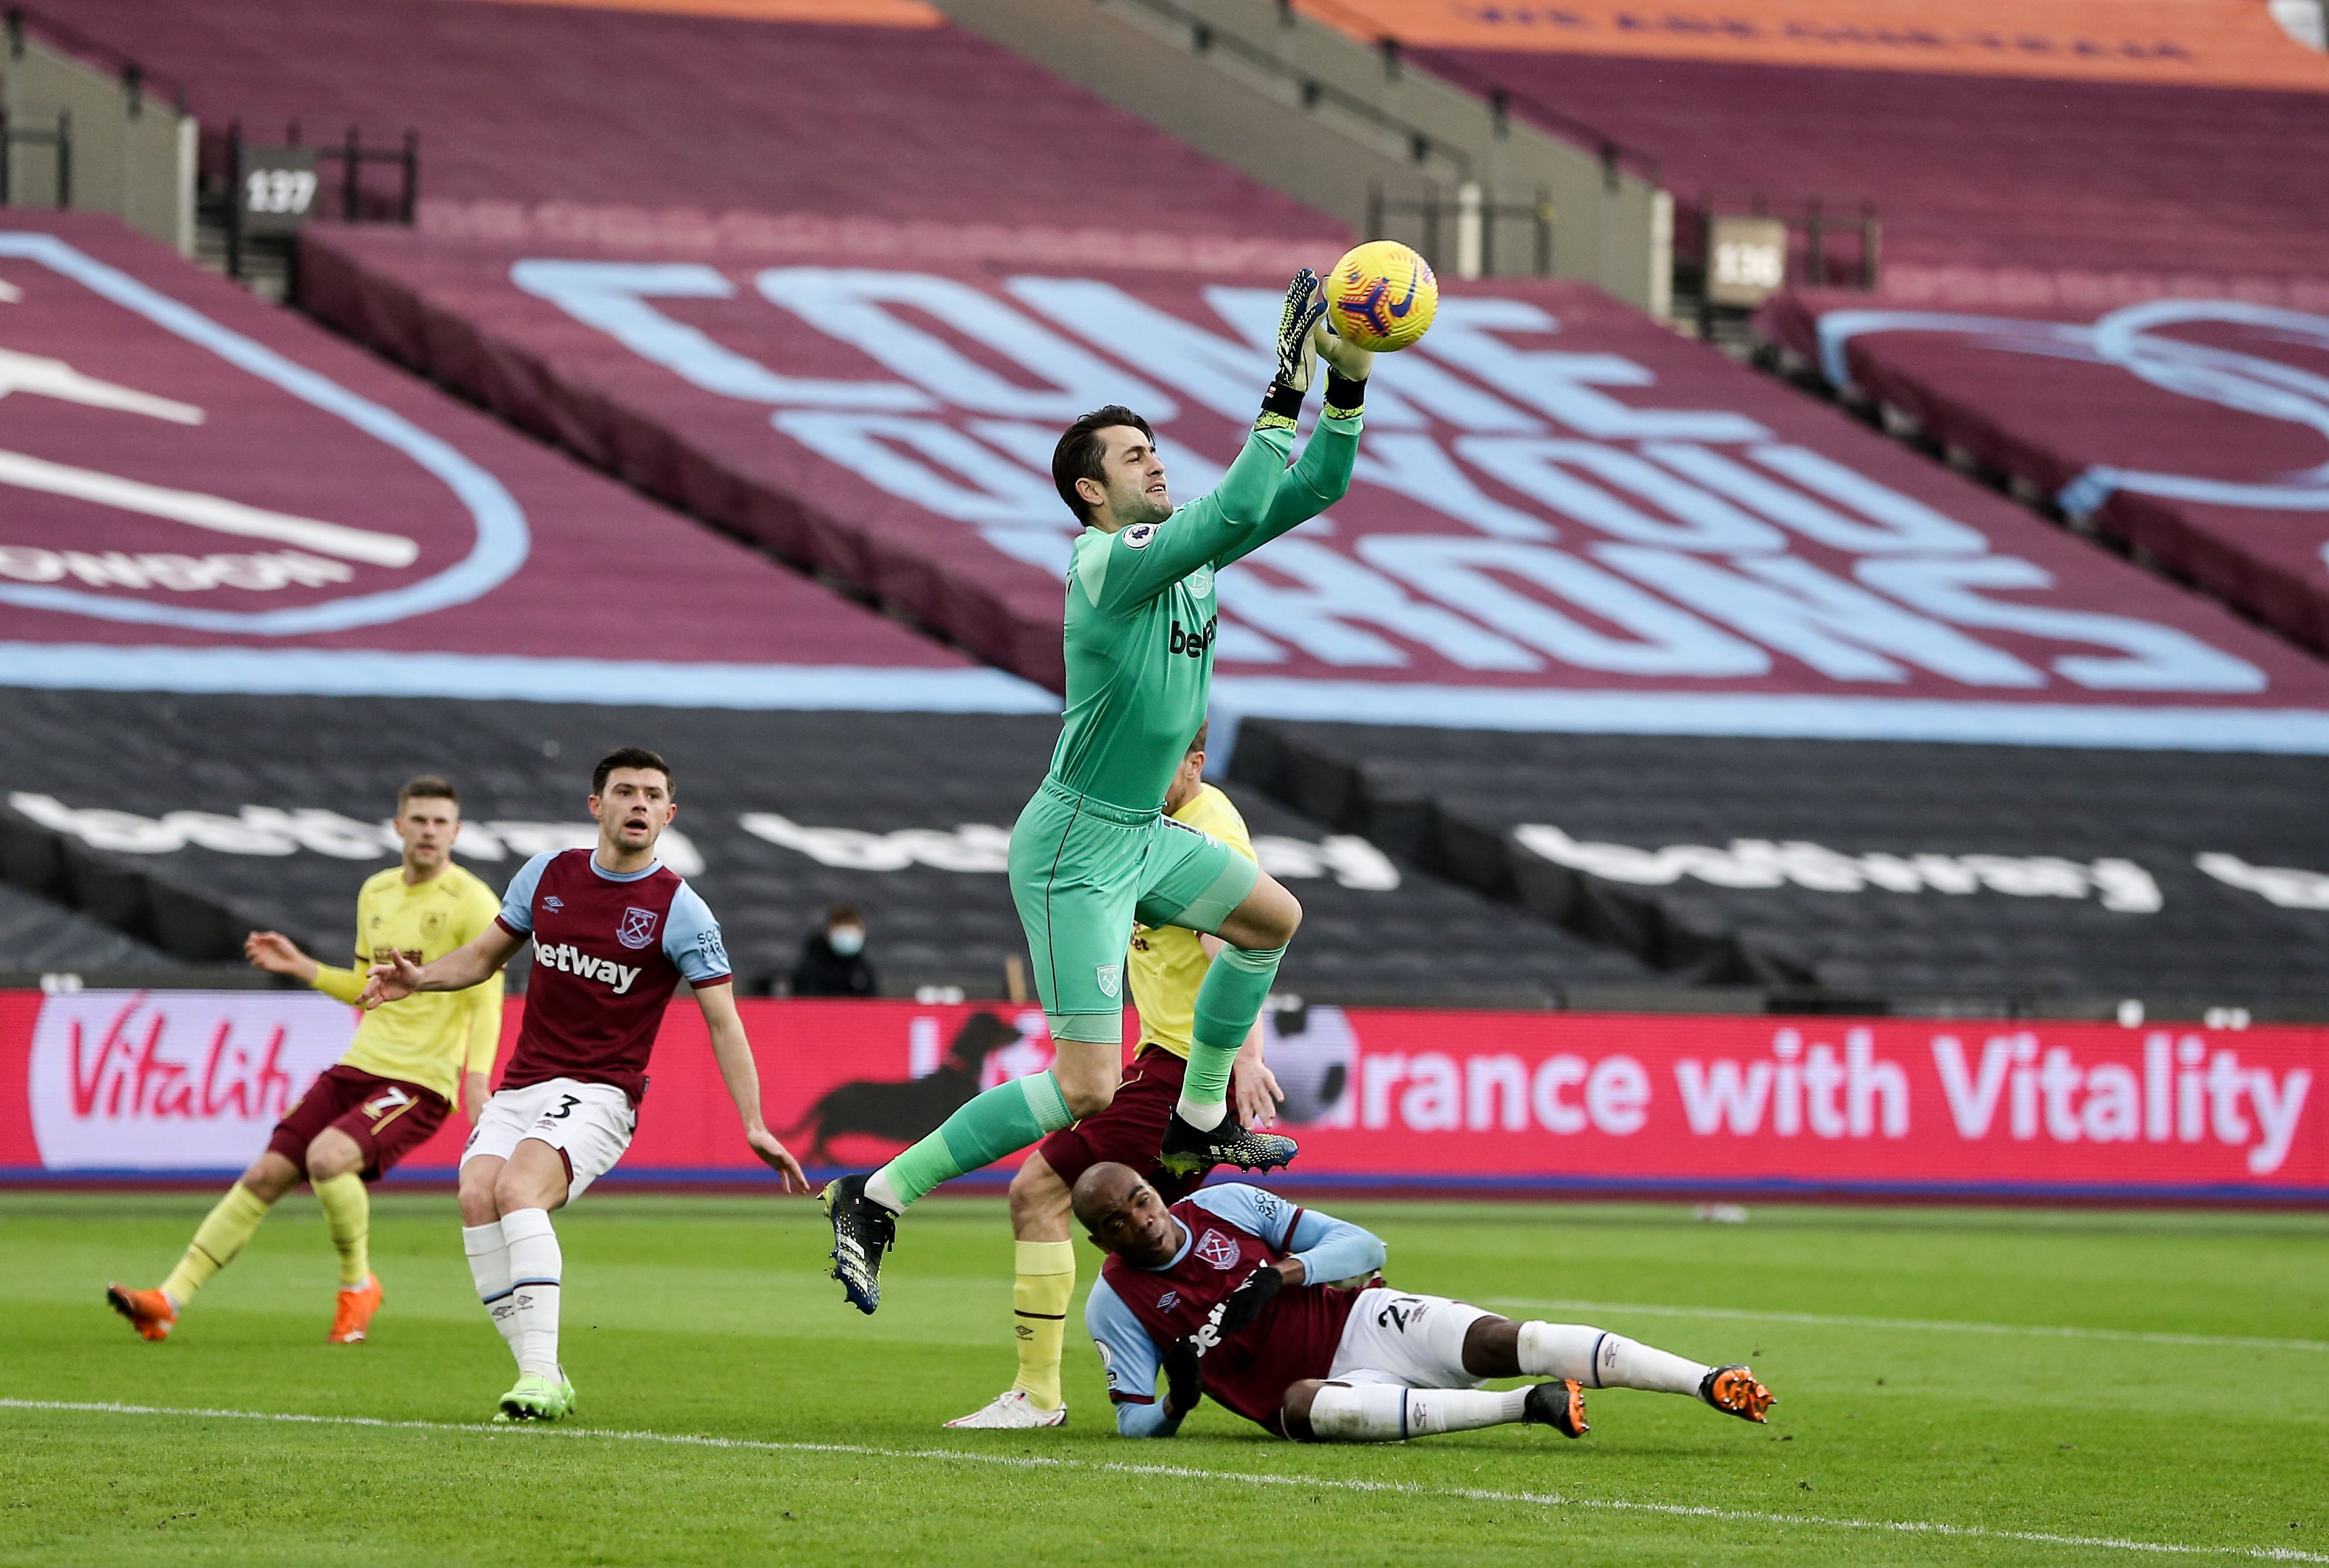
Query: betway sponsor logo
(132,1079)
(1760,862)
(1193,644)
(278,830)
(1351,861)
(568,958)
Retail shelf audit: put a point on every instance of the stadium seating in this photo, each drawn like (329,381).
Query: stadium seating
(672,118)
(1975,179)
(1425,601)
(1568,521)
(1889,873)
(782,814)
(38,936)
(2189,430)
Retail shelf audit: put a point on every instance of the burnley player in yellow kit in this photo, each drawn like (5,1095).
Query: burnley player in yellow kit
(391,1091)
(1165,966)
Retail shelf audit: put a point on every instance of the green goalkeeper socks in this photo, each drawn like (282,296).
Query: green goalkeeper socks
(1006,1117)
(1227,1003)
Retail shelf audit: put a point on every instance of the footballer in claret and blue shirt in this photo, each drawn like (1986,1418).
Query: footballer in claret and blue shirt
(1280,1314)
(614,931)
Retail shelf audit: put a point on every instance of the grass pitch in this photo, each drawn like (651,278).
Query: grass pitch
(1955,1385)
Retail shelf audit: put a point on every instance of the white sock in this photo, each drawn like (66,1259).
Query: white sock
(1205,1118)
(535,1268)
(1378,1412)
(1599,1359)
(878,1189)
(489,1266)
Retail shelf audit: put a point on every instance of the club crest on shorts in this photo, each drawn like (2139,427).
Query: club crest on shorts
(637,929)
(1218,1250)
(1111,978)
(1137,537)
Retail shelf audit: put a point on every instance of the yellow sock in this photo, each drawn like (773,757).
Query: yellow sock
(220,1236)
(348,1210)
(1039,1303)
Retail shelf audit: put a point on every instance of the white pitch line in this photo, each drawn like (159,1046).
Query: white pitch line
(1193,1473)
(1921,1325)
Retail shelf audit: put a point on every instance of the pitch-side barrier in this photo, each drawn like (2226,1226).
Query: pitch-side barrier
(159,1086)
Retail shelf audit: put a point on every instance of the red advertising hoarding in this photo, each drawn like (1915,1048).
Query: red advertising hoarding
(174,1084)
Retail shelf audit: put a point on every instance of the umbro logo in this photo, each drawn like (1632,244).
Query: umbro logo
(1167,1301)
(551,901)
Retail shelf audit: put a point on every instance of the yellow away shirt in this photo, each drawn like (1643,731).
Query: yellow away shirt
(430,1038)
(1166,963)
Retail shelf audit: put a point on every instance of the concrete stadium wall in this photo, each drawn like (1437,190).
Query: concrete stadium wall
(132,153)
(1612,227)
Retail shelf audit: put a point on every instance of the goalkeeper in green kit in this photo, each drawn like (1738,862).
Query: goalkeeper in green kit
(1093,851)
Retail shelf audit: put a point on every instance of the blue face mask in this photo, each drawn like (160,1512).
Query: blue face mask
(847,941)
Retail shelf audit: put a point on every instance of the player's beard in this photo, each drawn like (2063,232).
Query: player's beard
(1146,508)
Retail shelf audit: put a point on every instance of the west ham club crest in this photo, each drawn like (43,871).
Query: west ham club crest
(638,928)
(1218,1250)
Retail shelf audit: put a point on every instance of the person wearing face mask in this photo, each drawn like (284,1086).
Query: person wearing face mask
(833,961)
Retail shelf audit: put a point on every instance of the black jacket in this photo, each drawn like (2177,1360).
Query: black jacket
(821,972)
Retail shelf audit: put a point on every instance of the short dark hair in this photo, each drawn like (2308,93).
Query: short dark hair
(631,757)
(428,786)
(844,914)
(1078,454)
(1197,743)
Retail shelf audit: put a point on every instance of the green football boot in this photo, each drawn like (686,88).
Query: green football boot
(535,1398)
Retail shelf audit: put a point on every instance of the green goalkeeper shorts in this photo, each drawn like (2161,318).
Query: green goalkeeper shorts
(1082,871)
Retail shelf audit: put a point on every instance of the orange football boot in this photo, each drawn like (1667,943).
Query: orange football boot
(149,1311)
(354,1314)
(1558,1405)
(1734,1391)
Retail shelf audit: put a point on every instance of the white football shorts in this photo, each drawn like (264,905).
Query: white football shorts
(589,1124)
(1412,1341)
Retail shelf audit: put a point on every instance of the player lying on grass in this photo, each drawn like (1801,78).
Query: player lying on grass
(615,931)
(385,1096)
(1240,1294)
(1092,853)
(1166,966)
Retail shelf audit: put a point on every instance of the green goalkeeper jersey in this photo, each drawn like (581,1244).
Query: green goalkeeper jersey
(1142,613)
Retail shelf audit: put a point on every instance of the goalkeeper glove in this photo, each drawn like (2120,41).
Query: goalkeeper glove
(1245,1303)
(1347,366)
(1297,354)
